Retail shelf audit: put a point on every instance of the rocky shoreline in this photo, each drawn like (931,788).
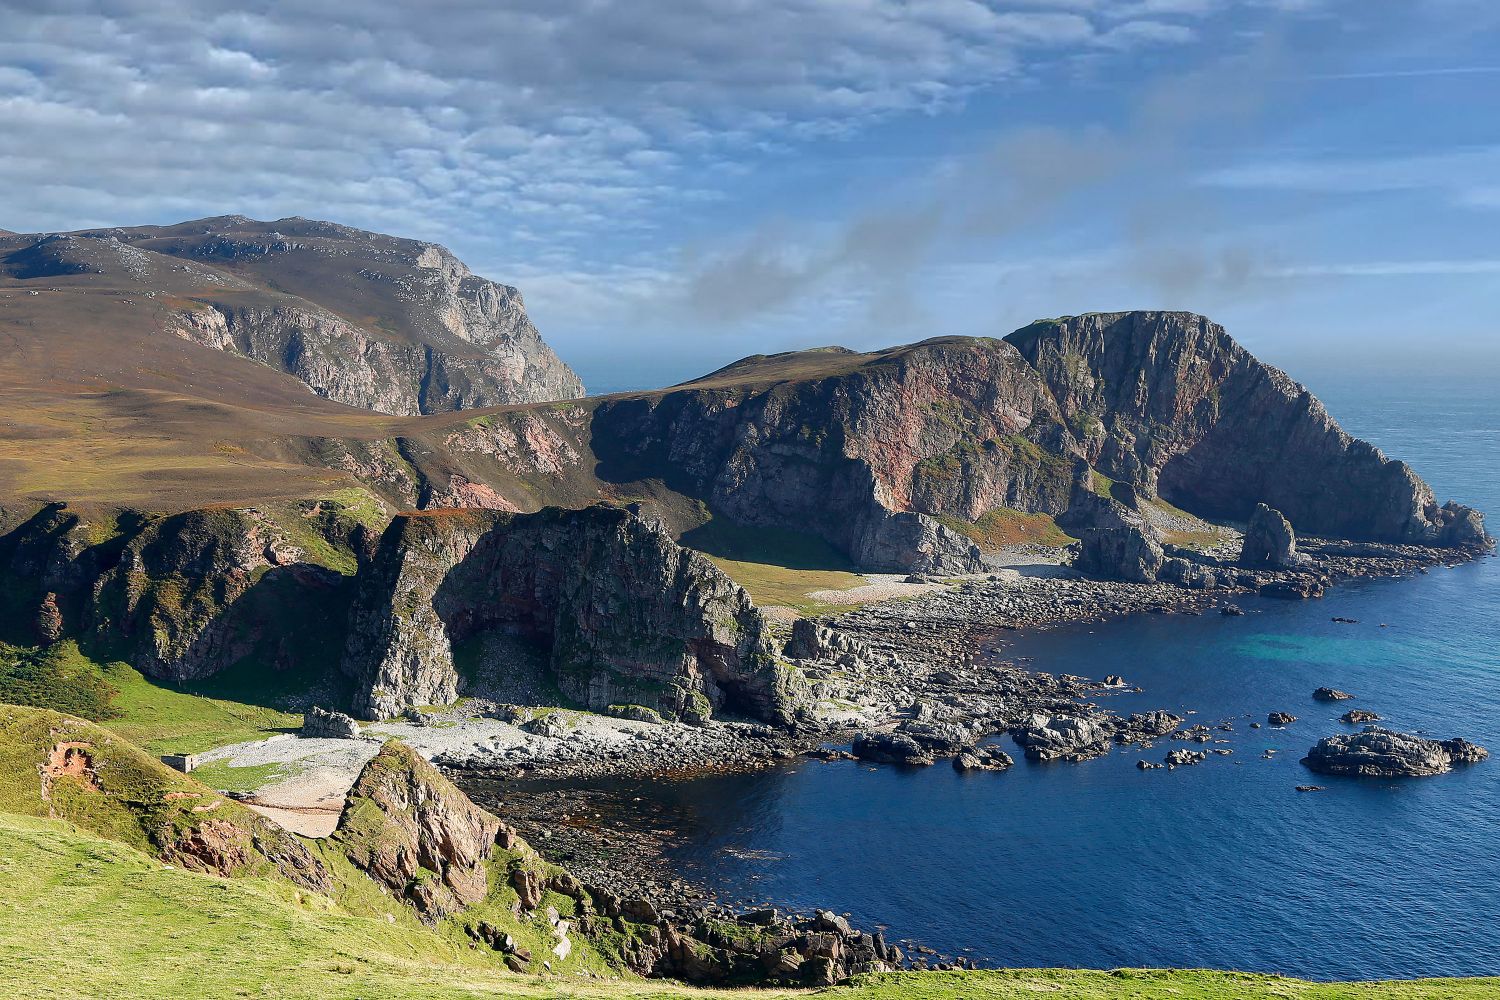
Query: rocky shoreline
(929,669)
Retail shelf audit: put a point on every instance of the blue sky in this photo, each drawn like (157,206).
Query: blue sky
(675,185)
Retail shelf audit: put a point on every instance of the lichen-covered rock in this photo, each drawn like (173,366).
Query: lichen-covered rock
(1384,753)
(623,614)
(413,831)
(1270,541)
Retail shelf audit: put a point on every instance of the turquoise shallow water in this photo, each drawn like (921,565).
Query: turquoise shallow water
(1222,865)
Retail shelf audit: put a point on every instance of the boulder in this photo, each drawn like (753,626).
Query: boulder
(1130,552)
(890,748)
(1281,718)
(1185,758)
(1383,753)
(323,723)
(1270,542)
(983,759)
(1331,694)
(1358,716)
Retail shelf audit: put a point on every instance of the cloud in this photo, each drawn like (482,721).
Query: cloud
(467,119)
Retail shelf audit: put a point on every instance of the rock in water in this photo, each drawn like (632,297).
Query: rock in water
(1358,716)
(1062,737)
(1331,694)
(1383,753)
(1270,541)
(890,748)
(1185,758)
(1281,718)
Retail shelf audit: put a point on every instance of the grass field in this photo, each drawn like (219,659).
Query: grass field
(83,918)
(158,717)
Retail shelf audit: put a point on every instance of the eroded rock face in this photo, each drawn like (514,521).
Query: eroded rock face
(409,828)
(624,614)
(866,453)
(1176,407)
(1384,753)
(438,336)
(1270,541)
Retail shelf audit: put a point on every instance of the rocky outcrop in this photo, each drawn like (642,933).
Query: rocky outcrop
(185,596)
(1383,753)
(863,450)
(411,830)
(321,723)
(374,321)
(622,614)
(1130,552)
(1168,402)
(1270,542)
(1063,737)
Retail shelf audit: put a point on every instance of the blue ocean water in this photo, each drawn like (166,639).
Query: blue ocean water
(1221,865)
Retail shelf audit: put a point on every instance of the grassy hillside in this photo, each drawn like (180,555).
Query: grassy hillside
(157,717)
(82,917)
(88,908)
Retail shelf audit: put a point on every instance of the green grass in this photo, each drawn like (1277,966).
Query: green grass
(157,717)
(227,778)
(783,547)
(82,917)
(772,585)
(55,678)
(1002,527)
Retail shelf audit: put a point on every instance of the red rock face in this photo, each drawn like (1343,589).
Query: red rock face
(1170,403)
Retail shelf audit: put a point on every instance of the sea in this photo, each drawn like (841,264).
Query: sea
(1222,865)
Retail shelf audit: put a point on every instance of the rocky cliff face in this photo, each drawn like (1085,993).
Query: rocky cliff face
(185,596)
(1169,403)
(622,613)
(387,324)
(946,427)
(867,450)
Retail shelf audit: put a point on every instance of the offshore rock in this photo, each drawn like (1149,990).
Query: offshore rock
(1270,542)
(1383,753)
(620,612)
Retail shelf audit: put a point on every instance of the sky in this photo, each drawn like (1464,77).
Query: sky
(674,185)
